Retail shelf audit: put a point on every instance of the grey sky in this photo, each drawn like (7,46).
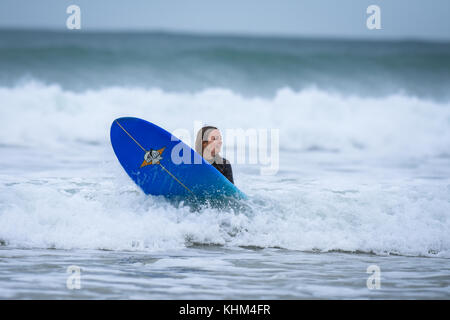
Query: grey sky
(418,19)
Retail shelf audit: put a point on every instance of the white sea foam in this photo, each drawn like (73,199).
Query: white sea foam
(103,214)
(65,189)
(395,126)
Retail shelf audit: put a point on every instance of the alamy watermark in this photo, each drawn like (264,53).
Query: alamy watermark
(74,279)
(253,146)
(373,22)
(74,20)
(374,280)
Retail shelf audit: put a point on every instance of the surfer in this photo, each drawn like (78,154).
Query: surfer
(208,144)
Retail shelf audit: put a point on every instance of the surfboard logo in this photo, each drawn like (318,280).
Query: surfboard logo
(152,157)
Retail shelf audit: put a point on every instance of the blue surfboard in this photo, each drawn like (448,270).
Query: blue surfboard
(161,164)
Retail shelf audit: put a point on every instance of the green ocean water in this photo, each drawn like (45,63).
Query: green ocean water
(251,66)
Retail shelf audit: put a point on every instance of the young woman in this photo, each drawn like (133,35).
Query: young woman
(208,144)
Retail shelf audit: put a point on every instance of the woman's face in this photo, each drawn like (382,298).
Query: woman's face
(214,144)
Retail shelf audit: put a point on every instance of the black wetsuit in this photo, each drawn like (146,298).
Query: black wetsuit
(224,167)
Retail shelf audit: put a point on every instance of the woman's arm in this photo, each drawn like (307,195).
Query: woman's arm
(228,171)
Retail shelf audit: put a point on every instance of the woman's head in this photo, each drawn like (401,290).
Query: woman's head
(208,142)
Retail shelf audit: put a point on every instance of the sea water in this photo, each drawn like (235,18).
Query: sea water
(363,181)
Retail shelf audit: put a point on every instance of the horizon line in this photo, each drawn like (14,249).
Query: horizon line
(224,34)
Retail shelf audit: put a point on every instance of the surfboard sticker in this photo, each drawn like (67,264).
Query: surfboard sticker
(152,157)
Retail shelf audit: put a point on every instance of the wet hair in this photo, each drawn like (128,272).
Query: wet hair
(202,137)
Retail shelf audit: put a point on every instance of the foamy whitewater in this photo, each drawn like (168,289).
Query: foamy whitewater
(363,179)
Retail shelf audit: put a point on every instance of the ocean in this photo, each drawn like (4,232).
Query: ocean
(362,182)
